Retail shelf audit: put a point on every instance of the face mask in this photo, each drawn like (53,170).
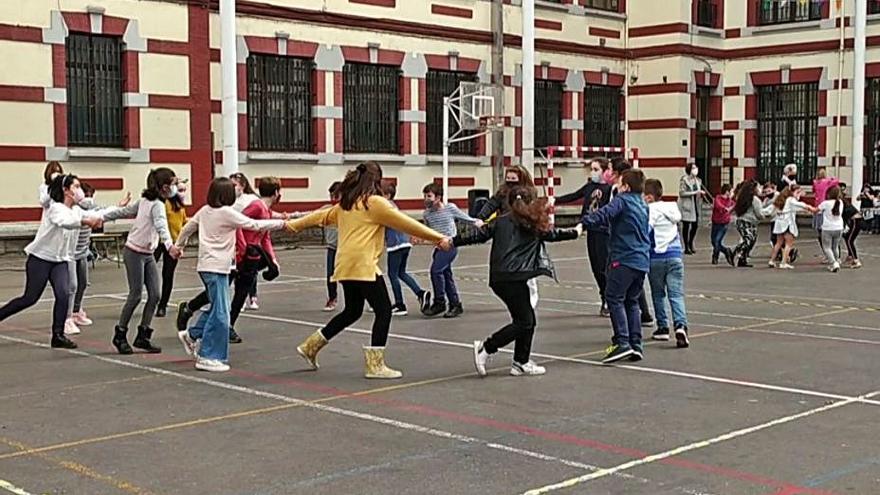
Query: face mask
(596,177)
(172,191)
(607,176)
(87,203)
(78,196)
(511,182)
(428,203)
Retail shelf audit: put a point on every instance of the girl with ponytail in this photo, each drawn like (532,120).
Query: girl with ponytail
(832,227)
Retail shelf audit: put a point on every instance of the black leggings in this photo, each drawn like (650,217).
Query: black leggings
(169,266)
(521,329)
(38,273)
(376,294)
(688,234)
(855,228)
(245,280)
(597,250)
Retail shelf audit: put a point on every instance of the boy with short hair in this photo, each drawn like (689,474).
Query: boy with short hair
(331,236)
(629,251)
(666,274)
(398,247)
(441,217)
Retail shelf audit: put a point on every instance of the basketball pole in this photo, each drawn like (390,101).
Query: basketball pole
(229,69)
(446,111)
(858,140)
(528,86)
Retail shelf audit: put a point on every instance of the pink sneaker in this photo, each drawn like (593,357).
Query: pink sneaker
(82,319)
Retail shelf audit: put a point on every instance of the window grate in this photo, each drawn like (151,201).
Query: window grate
(440,84)
(370,94)
(548,113)
(279,103)
(788,127)
(788,11)
(94,91)
(601,115)
(609,5)
(872,132)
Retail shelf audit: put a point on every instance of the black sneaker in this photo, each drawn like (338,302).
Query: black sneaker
(399,310)
(617,352)
(647,319)
(183,316)
(660,334)
(234,338)
(744,263)
(714,258)
(729,256)
(681,338)
(455,310)
(62,342)
(424,300)
(436,309)
(638,352)
(603,311)
(161,312)
(793,255)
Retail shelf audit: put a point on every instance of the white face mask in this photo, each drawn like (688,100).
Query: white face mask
(87,203)
(172,191)
(596,177)
(238,192)
(78,196)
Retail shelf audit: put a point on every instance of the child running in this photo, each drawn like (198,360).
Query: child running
(786,206)
(666,275)
(362,216)
(629,262)
(749,211)
(217,222)
(721,208)
(49,254)
(441,217)
(518,255)
(852,219)
(331,237)
(397,248)
(150,227)
(832,227)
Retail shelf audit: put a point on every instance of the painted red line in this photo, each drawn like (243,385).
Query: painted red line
(784,488)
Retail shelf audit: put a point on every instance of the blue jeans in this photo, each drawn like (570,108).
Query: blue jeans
(397,272)
(212,326)
(622,292)
(667,282)
(441,276)
(332,291)
(719,230)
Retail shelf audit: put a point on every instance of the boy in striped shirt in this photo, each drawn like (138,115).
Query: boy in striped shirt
(441,217)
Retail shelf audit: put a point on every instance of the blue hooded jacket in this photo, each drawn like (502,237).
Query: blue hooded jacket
(630,239)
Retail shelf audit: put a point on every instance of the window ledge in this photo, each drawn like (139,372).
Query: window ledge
(604,13)
(552,6)
(99,153)
(790,26)
(376,157)
(281,156)
(714,32)
(468,159)
(873,18)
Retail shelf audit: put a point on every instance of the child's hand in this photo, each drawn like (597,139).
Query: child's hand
(125,201)
(445,244)
(479,224)
(175,252)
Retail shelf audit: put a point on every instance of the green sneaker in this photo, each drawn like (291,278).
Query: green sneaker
(616,352)
(638,352)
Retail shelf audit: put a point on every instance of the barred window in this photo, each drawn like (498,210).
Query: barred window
(94,91)
(788,127)
(601,115)
(787,11)
(548,113)
(440,84)
(609,5)
(371,108)
(872,131)
(279,103)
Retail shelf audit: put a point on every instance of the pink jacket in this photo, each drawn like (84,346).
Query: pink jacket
(821,187)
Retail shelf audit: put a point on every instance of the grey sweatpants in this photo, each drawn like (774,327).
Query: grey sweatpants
(79,282)
(141,270)
(831,245)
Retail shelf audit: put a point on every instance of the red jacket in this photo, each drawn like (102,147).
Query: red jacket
(243,238)
(721,209)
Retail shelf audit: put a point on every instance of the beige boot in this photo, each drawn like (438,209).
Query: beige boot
(310,347)
(374,358)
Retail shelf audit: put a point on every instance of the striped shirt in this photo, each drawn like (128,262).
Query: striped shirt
(443,219)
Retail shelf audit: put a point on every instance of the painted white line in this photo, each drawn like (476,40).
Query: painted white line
(813,336)
(694,446)
(9,487)
(553,357)
(393,423)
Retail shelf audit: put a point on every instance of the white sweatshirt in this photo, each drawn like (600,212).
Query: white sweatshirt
(56,237)
(217,228)
(664,217)
(149,228)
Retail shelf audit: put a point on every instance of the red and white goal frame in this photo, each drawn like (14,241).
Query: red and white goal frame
(580,154)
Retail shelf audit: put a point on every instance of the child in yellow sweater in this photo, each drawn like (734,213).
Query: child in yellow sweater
(361,217)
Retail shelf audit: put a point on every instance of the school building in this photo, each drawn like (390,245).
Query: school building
(114,87)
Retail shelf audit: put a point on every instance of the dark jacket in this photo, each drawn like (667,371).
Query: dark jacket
(595,196)
(494,204)
(517,253)
(630,242)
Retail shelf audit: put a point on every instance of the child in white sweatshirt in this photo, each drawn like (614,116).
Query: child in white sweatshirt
(666,275)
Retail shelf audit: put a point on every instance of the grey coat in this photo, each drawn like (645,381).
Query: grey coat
(689,198)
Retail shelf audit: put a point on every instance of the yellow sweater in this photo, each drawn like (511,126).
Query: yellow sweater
(176,219)
(362,235)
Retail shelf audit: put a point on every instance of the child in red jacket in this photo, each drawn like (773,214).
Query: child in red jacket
(721,209)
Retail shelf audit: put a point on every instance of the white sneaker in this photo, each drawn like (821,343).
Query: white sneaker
(82,319)
(786,266)
(190,346)
(70,327)
(481,357)
(528,369)
(252,304)
(212,365)
(856,264)
(772,264)
(835,267)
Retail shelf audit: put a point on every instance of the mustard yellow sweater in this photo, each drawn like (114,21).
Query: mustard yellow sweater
(362,235)
(176,219)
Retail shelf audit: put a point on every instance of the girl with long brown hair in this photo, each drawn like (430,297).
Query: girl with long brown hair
(518,255)
(361,216)
(787,205)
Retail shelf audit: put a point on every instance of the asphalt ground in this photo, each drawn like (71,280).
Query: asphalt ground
(778,394)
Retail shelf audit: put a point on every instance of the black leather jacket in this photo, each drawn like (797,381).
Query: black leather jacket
(517,252)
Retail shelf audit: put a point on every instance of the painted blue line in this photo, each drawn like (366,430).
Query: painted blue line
(841,472)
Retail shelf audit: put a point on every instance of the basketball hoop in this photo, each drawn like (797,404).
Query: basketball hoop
(492,122)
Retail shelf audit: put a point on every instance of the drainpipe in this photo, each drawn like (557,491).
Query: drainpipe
(840,57)
(528,85)
(858,142)
(498,81)
(229,70)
